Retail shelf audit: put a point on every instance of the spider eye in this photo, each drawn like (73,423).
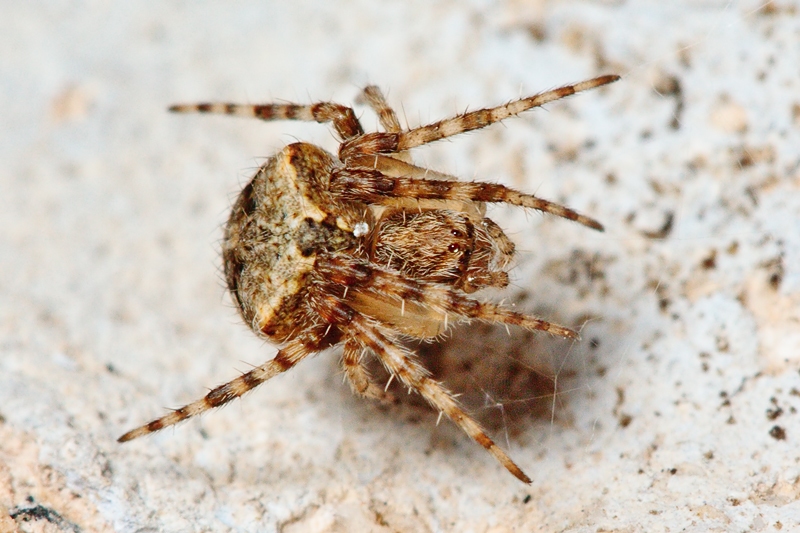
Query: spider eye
(453,248)
(456,233)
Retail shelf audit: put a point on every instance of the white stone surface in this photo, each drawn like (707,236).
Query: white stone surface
(677,411)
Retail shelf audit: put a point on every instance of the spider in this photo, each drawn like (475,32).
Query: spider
(364,249)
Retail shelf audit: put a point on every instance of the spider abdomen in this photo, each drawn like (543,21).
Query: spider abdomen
(279,224)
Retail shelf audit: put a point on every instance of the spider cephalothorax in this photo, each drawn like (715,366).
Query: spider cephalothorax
(364,247)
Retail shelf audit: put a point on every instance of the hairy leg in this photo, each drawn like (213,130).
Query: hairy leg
(388,143)
(343,118)
(402,363)
(373,96)
(357,375)
(390,166)
(285,359)
(361,276)
(373,187)
(375,99)
(481,118)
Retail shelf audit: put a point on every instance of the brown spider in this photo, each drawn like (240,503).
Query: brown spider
(365,248)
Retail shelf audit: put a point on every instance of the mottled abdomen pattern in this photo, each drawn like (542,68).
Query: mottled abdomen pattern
(279,224)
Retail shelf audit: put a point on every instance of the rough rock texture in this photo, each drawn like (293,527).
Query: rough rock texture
(676,412)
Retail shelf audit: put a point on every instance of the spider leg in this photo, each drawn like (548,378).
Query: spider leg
(372,186)
(360,276)
(402,363)
(390,166)
(373,96)
(481,118)
(387,143)
(285,359)
(357,375)
(388,118)
(343,118)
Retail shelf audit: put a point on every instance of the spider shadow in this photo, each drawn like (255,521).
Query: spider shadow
(509,381)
